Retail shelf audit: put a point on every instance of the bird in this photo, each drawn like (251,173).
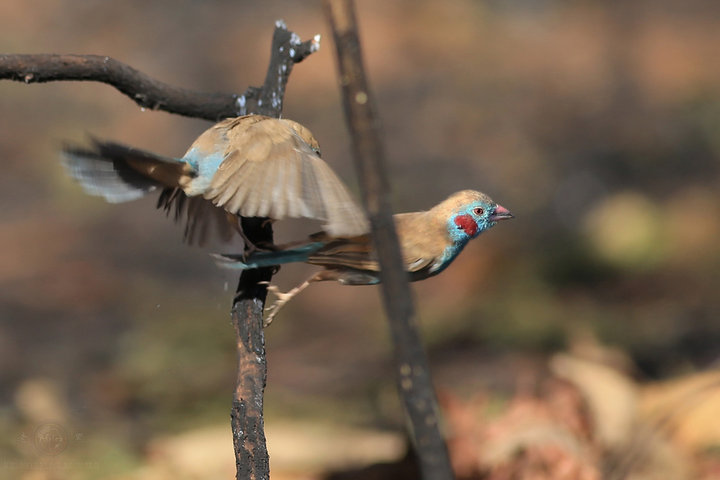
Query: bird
(259,166)
(252,166)
(430,241)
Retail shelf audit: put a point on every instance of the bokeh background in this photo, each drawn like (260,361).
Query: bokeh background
(583,337)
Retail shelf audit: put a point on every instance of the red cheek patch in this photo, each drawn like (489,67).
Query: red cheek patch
(467,223)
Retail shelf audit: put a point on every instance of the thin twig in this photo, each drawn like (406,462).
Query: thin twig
(412,367)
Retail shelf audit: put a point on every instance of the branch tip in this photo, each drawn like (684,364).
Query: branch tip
(315,43)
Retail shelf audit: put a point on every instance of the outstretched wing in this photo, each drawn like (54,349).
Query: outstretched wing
(271,168)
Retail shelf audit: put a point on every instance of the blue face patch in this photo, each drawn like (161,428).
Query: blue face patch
(206,166)
(463,226)
(470,222)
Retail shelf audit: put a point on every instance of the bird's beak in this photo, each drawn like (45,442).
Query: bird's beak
(501,213)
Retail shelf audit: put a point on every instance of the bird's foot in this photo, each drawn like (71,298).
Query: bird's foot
(281,299)
(251,247)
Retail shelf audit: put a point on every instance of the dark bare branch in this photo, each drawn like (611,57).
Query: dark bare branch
(141,88)
(251,454)
(246,417)
(287,50)
(412,367)
(156,95)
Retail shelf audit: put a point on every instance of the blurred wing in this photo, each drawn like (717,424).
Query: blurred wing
(269,170)
(120,173)
(202,219)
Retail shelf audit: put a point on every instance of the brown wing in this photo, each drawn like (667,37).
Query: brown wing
(418,240)
(423,238)
(271,170)
(354,252)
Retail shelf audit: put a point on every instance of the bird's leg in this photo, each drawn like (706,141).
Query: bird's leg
(283,298)
(250,247)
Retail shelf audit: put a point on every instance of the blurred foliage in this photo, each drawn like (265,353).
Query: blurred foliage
(596,123)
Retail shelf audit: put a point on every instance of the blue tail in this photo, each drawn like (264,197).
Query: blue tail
(267,259)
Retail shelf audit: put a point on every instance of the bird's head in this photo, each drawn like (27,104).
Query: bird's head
(470,213)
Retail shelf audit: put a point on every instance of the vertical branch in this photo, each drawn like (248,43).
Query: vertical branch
(251,455)
(412,366)
(252,461)
(287,50)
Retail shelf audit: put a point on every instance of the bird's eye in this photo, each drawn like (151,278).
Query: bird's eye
(478,211)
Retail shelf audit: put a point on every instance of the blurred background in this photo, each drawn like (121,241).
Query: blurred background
(581,340)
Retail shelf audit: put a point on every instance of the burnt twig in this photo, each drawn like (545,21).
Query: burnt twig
(251,456)
(156,95)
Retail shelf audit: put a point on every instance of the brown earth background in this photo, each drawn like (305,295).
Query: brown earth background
(580,339)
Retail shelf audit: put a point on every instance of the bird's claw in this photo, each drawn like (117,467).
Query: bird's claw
(281,299)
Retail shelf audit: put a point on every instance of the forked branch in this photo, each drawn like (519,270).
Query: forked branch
(251,455)
(156,95)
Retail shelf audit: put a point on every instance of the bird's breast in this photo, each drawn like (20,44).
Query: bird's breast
(448,255)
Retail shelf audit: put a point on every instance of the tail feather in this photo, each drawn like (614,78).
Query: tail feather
(267,259)
(99,176)
(120,173)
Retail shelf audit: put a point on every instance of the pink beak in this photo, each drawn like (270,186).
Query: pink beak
(500,213)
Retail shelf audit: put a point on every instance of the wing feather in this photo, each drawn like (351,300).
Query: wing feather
(422,241)
(272,170)
(201,218)
(278,195)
